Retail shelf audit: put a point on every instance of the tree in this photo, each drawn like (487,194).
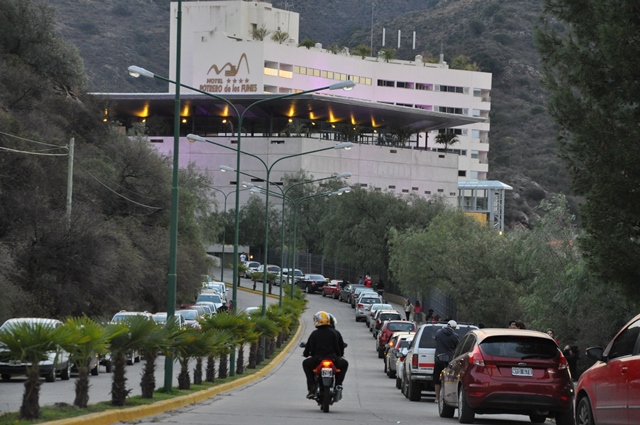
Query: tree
(591,69)
(446,139)
(463,62)
(362,51)
(387,54)
(308,43)
(84,339)
(260,33)
(280,36)
(29,342)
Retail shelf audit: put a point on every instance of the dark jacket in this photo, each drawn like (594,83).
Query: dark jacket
(324,341)
(446,341)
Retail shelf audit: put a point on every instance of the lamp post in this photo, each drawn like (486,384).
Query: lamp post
(287,198)
(268,169)
(137,71)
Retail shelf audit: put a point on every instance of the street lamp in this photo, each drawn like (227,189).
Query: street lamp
(136,71)
(268,169)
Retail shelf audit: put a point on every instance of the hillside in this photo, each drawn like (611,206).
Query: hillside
(496,34)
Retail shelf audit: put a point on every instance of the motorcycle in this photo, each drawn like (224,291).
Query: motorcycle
(326,391)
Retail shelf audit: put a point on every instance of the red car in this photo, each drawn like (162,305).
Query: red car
(511,371)
(332,289)
(387,329)
(609,391)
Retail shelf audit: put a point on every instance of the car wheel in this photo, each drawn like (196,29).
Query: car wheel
(584,415)
(335,296)
(130,361)
(537,419)
(398,383)
(324,294)
(444,410)
(381,354)
(306,289)
(466,414)
(95,371)
(51,376)
(391,374)
(386,369)
(414,391)
(6,377)
(108,367)
(65,373)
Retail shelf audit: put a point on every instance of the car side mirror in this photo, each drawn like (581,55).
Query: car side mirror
(444,357)
(596,353)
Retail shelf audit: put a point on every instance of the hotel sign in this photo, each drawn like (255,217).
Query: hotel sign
(223,79)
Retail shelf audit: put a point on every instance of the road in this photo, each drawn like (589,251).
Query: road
(279,397)
(64,391)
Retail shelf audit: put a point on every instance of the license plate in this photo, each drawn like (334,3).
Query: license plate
(521,371)
(15,362)
(327,372)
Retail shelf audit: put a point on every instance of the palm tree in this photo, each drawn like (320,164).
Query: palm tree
(266,328)
(280,36)
(387,54)
(282,320)
(231,322)
(29,342)
(308,43)
(197,343)
(362,51)
(156,341)
(446,139)
(83,338)
(246,334)
(125,337)
(259,33)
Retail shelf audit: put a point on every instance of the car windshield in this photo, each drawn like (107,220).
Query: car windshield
(316,277)
(389,316)
(160,318)
(429,332)
(370,300)
(123,317)
(401,326)
(519,347)
(188,314)
(210,297)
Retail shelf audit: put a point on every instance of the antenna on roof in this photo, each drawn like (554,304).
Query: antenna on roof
(441,53)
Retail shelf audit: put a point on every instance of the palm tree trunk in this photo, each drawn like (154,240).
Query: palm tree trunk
(259,351)
(184,381)
(30,408)
(82,388)
(253,355)
(223,366)
(240,360)
(211,369)
(197,372)
(148,380)
(119,391)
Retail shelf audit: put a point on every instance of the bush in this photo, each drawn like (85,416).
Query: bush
(503,39)
(476,26)
(535,194)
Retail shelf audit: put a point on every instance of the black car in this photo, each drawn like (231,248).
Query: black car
(311,283)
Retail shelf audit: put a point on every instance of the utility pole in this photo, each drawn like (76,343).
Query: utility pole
(70,182)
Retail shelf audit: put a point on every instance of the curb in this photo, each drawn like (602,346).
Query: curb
(133,413)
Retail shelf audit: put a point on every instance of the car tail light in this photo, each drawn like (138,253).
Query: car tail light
(414,361)
(562,366)
(475,358)
(360,305)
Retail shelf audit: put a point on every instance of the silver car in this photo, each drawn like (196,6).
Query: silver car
(364,304)
(399,342)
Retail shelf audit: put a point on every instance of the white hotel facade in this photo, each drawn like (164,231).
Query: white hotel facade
(219,55)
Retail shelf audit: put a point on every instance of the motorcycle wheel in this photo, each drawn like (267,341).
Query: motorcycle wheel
(326,399)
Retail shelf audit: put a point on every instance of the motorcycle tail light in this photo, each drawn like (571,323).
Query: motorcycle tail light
(326,363)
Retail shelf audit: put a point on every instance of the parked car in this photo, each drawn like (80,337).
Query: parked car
(364,304)
(219,287)
(311,283)
(384,316)
(388,328)
(212,297)
(271,269)
(161,318)
(356,294)
(55,363)
(291,276)
(345,292)
(372,312)
(331,289)
(398,342)
(190,317)
(203,310)
(120,317)
(211,305)
(511,371)
(252,266)
(418,366)
(608,391)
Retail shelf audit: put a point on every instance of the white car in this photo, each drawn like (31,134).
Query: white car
(290,276)
(55,363)
(219,287)
(252,267)
(212,297)
(271,268)
(122,316)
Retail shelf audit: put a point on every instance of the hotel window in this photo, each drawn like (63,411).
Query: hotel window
(473,175)
(404,85)
(354,78)
(270,71)
(386,83)
(427,192)
(475,134)
(392,186)
(408,105)
(474,154)
(366,81)
(423,86)
(441,190)
(286,71)
(477,93)
(476,112)
(451,89)
(462,173)
(303,70)
(316,72)
(456,131)
(414,188)
(330,75)
(459,111)
(405,190)
(323,74)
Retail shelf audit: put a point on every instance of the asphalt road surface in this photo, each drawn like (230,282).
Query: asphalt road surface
(64,391)
(370,397)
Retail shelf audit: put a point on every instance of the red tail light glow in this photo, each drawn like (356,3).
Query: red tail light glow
(360,305)
(326,363)
(414,361)
(563,363)
(476,358)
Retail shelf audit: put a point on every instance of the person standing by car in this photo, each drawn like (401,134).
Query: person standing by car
(417,312)
(446,343)
(322,343)
(380,287)
(408,309)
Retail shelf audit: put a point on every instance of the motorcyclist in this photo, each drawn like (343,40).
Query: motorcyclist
(323,343)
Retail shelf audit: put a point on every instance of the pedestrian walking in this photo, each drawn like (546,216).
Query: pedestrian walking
(408,309)
(417,312)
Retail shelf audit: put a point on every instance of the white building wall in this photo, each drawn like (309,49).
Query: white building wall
(424,173)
